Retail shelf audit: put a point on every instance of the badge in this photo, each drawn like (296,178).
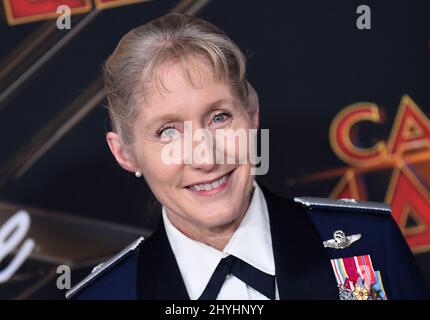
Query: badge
(357,279)
(340,240)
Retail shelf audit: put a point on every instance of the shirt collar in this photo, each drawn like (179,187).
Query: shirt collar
(251,242)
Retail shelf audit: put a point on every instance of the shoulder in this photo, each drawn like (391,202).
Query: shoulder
(343,222)
(327,207)
(347,215)
(352,228)
(345,205)
(112,279)
(371,221)
(328,213)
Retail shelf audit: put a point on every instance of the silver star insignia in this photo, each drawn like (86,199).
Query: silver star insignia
(341,241)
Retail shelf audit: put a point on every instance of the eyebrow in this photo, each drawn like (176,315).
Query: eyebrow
(177,116)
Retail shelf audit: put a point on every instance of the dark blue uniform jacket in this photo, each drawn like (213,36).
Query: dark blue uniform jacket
(148,269)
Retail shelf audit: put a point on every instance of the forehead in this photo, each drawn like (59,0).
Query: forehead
(183,88)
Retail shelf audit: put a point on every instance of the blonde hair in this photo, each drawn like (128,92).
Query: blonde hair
(173,38)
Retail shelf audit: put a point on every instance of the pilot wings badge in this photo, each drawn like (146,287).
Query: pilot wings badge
(340,240)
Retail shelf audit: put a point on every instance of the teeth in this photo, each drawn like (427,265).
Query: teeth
(209,186)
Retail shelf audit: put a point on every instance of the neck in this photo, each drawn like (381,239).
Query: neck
(215,237)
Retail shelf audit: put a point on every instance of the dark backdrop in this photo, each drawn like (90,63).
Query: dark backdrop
(307,60)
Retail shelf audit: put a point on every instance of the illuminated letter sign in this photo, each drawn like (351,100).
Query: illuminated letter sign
(410,200)
(12,233)
(23,11)
(104,4)
(411,129)
(409,143)
(342,140)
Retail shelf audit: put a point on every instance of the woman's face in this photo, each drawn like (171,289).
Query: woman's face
(206,195)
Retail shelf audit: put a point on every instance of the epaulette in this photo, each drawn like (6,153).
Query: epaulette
(103,267)
(344,204)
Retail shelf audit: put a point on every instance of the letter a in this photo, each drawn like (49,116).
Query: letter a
(363,21)
(63,21)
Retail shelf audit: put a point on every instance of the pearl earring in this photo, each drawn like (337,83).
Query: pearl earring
(138,174)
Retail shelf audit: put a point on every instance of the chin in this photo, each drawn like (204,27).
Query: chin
(218,219)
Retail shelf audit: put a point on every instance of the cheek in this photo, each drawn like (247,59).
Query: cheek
(157,174)
(235,144)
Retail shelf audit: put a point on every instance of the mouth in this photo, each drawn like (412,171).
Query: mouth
(211,187)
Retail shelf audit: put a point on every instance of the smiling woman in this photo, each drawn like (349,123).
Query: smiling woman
(222,235)
(184,78)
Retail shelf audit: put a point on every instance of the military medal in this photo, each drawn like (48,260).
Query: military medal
(346,293)
(361,292)
(357,279)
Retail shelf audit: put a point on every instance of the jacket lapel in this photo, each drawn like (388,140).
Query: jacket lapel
(303,268)
(159,277)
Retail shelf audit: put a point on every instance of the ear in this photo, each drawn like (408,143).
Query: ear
(121,152)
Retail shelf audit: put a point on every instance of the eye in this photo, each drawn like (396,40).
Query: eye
(168,133)
(220,117)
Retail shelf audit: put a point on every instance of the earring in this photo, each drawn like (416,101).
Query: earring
(138,174)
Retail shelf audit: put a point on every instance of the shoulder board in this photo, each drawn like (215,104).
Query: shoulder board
(344,204)
(103,267)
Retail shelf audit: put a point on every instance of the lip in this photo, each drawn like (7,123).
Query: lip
(210,181)
(216,190)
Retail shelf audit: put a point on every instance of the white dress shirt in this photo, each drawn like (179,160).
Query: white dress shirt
(251,242)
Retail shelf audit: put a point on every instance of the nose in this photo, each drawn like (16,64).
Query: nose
(200,152)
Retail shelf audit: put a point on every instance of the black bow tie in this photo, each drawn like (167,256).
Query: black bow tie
(257,279)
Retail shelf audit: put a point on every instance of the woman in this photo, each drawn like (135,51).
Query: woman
(222,235)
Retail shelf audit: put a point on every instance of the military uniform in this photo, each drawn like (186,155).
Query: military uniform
(323,249)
